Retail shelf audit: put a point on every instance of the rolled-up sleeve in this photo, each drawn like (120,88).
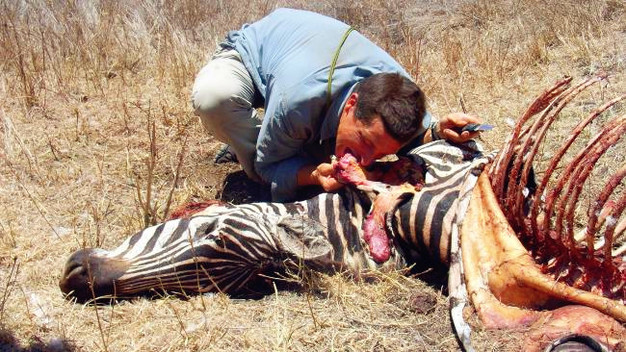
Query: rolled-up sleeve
(284,182)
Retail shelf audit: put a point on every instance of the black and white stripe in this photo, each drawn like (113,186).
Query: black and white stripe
(229,249)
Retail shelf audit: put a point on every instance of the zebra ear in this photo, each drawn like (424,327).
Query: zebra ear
(303,238)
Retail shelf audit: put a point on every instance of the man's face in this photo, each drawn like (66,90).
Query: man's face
(365,142)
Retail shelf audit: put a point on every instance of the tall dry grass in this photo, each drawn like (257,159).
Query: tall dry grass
(99,139)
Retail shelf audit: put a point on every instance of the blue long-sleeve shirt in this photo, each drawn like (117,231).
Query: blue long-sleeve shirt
(289,54)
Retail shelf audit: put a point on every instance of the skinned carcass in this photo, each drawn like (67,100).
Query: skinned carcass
(521,262)
(529,259)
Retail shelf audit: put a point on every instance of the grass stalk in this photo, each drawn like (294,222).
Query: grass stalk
(10,281)
(77,81)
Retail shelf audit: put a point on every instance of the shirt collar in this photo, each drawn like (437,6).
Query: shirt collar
(333,114)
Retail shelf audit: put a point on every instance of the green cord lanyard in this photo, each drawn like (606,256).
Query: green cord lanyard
(332,67)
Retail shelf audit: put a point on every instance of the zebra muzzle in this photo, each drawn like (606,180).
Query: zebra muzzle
(88,275)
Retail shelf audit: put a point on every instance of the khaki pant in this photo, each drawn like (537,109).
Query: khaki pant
(223,96)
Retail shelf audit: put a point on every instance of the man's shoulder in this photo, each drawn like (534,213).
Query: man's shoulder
(298,21)
(283,11)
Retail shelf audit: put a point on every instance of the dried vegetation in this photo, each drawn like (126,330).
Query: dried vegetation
(98,139)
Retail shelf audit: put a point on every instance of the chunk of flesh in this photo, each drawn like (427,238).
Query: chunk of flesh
(386,189)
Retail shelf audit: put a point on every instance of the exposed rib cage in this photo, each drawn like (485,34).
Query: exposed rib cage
(227,248)
(584,256)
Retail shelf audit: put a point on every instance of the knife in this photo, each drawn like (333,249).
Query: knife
(475,127)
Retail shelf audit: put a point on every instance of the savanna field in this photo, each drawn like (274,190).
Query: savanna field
(99,140)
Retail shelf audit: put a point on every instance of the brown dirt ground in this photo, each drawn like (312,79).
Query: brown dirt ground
(82,81)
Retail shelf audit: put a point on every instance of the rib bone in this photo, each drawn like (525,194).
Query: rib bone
(519,251)
(508,270)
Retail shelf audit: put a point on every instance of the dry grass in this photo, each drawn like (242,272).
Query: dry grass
(83,84)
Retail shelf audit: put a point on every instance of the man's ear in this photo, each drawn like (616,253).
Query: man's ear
(351,102)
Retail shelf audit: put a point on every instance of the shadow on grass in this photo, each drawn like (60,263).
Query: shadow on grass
(237,188)
(8,342)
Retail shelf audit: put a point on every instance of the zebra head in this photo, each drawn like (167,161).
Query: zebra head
(176,256)
(227,248)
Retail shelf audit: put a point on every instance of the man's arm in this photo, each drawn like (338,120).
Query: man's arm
(320,175)
(279,159)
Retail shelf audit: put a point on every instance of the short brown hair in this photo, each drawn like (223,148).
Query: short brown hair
(399,102)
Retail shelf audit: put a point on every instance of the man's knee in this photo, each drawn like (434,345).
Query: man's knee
(209,96)
(223,84)
(219,111)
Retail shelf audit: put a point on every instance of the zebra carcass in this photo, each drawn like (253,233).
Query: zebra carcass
(509,255)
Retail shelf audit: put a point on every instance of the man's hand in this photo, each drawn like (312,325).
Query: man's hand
(321,175)
(450,126)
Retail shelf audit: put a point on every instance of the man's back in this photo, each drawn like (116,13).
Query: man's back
(291,51)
